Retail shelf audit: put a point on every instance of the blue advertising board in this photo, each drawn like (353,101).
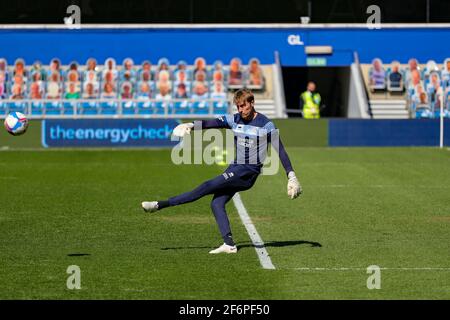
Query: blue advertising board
(108,133)
(413,132)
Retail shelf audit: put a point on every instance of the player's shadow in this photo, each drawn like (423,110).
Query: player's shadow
(279,244)
(78,254)
(275,244)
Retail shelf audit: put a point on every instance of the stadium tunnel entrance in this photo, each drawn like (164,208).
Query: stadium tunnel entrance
(332,83)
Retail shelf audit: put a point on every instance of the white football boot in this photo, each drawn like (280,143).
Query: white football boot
(151,206)
(224,249)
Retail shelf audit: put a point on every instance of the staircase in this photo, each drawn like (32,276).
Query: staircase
(267,107)
(389,109)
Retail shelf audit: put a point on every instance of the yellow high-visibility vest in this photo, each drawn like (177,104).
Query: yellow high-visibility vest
(311,105)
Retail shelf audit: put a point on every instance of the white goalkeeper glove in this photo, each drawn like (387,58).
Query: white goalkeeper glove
(182,129)
(294,189)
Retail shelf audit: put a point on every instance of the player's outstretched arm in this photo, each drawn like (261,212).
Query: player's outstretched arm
(185,128)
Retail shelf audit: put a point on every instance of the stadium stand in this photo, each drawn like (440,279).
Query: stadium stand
(413,90)
(128,89)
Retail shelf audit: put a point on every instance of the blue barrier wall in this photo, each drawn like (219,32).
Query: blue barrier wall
(108,133)
(414,132)
(223,44)
(156,132)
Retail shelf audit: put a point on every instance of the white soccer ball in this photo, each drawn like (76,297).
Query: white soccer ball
(16,123)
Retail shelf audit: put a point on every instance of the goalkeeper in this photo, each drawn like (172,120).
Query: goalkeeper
(250,130)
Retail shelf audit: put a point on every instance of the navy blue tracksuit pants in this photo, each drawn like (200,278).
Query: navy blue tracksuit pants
(235,178)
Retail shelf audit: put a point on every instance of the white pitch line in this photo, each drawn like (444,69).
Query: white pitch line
(381,268)
(375,186)
(258,243)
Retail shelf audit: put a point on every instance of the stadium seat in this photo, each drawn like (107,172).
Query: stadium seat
(37,108)
(200,107)
(437,114)
(220,107)
(3,108)
(423,111)
(88,108)
(446,109)
(377,87)
(255,87)
(53,108)
(128,107)
(17,107)
(182,107)
(108,107)
(144,107)
(395,86)
(160,107)
(69,107)
(94,104)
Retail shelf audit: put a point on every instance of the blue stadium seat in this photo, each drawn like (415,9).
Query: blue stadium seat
(423,111)
(182,107)
(88,108)
(159,107)
(128,108)
(446,107)
(220,107)
(3,108)
(53,108)
(17,107)
(144,107)
(200,107)
(69,107)
(108,107)
(437,114)
(98,106)
(37,108)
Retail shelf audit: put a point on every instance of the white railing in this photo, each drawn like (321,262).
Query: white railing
(115,108)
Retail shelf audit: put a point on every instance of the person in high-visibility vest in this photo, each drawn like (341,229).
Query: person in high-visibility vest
(310,102)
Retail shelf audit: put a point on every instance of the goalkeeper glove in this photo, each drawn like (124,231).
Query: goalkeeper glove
(182,129)
(294,189)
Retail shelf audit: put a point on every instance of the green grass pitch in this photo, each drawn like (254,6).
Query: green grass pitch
(388,207)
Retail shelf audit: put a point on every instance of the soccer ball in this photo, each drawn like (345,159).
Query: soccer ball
(16,123)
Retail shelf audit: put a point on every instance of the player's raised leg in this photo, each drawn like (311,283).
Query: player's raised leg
(208,187)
